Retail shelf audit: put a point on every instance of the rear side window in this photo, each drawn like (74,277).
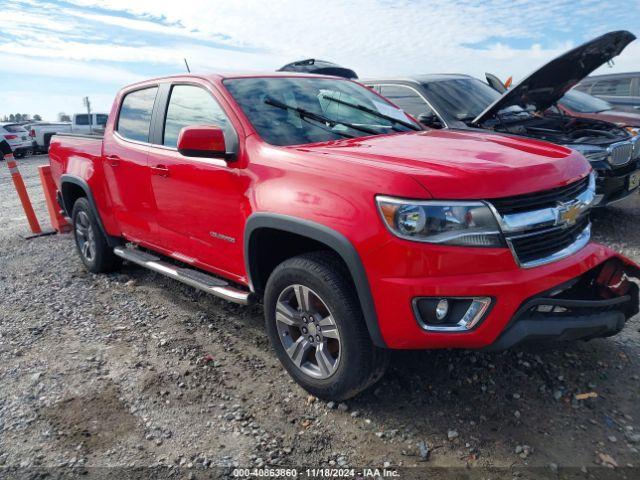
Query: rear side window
(14,128)
(135,114)
(101,119)
(82,119)
(406,98)
(616,87)
(191,105)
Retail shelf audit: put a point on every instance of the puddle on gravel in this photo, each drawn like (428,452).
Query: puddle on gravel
(97,420)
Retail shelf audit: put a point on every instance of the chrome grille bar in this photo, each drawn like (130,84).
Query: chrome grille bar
(538,237)
(620,153)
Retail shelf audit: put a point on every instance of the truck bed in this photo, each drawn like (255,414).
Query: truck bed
(75,154)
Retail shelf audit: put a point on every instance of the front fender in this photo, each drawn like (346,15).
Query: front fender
(332,239)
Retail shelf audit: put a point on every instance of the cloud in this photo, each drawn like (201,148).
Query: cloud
(48,104)
(24,65)
(115,41)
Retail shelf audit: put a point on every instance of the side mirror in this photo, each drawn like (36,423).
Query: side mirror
(430,120)
(202,141)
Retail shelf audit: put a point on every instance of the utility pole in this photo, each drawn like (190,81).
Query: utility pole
(87,104)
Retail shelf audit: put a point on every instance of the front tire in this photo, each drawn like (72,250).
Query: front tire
(92,244)
(316,326)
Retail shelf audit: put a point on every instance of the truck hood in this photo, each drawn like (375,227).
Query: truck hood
(463,165)
(544,87)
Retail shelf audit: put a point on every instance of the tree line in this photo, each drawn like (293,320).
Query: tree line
(21,117)
(25,117)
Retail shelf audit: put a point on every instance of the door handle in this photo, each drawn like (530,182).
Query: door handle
(160,170)
(114,160)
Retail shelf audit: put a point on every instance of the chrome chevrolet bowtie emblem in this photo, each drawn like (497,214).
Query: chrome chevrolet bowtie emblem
(569,213)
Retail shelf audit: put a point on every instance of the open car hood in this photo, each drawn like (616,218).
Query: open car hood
(544,87)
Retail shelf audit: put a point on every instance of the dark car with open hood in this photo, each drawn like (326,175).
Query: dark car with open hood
(462,102)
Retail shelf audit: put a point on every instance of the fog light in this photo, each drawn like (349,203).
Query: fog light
(452,314)
(442,309)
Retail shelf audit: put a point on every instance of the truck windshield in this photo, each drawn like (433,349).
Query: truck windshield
(463,98)
(296,111)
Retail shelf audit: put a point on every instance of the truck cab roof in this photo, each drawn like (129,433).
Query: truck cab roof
(217,77)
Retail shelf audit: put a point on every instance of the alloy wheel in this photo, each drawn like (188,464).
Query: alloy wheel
(85,236)
(308,331)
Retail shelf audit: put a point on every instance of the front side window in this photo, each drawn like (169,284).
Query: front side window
(101,119)
(301,110)
(135,114)
(191,105)
(82,119)
(406,98)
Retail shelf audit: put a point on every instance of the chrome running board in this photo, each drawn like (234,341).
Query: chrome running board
(194,278)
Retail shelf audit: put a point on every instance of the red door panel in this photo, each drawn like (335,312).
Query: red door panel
(128,180)
(198,209)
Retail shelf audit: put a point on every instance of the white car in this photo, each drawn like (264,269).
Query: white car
(18,138)
(41,133)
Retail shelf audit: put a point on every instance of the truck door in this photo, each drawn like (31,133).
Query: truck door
(125,155)
(198,200)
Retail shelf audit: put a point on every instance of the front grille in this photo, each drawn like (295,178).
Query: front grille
(621,153)
(538,245)
(539,200)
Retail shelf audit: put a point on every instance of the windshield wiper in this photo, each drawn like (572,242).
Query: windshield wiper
(375,113)
(303,113)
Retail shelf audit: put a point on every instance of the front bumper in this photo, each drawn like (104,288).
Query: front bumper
(491,273)
(613,183)
(580,313)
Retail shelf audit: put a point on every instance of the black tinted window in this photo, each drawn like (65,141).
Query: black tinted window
(464,98)
(619,86)
(135,114)
(406,98)
(82,119)
(101,119)
(189,105)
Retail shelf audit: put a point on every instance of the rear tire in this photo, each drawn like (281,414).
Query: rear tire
(95,252)
(329,321)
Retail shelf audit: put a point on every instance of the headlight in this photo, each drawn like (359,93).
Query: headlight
(470,224)
(633,130)
(636,147)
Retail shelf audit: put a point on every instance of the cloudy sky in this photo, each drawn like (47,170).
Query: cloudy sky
(52,53)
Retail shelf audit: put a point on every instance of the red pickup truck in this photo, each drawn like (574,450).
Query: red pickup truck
(358,230)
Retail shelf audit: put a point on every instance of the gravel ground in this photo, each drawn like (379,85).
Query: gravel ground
(133,369)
